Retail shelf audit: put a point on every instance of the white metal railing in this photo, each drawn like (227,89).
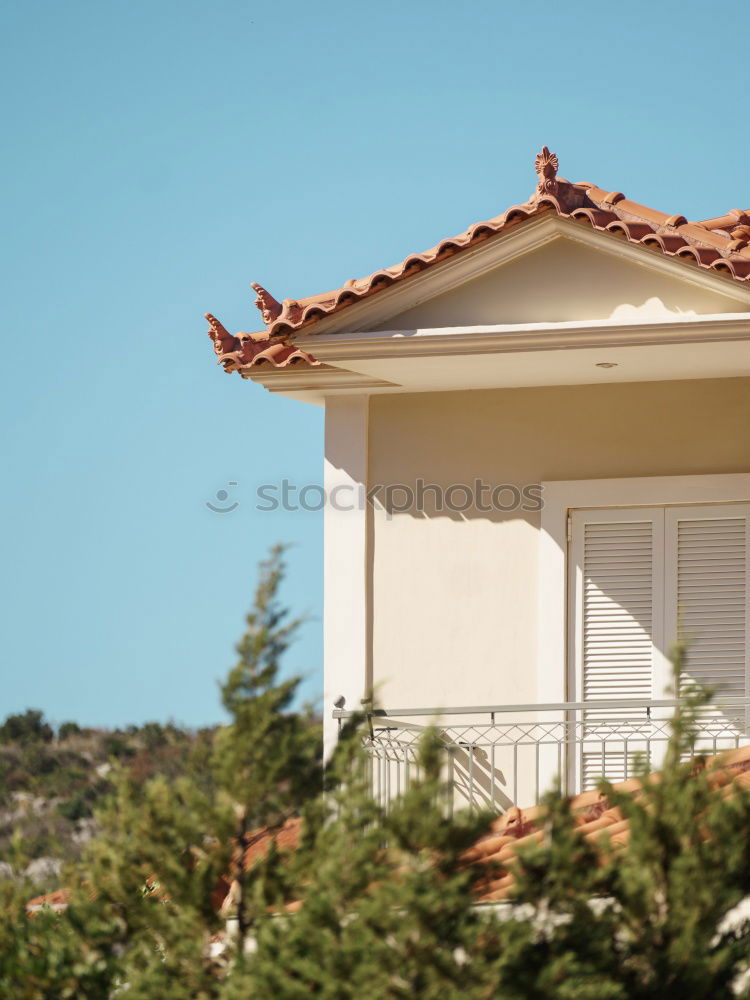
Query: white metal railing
(503,755)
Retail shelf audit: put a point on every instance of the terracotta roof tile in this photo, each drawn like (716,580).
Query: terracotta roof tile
(596,821)
(286,839)
(60,898)
(244,351)
(57,900)
(721,244)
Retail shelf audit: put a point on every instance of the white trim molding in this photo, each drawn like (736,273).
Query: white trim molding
(317,383)
(515,337)
(559,498)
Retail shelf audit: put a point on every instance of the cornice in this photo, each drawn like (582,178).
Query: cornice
(459,341)
(324,378)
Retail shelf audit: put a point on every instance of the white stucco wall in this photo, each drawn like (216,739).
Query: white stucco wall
(454,597)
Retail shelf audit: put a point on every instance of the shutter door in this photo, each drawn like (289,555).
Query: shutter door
(707,586)
(642,578)
(618,561)
(618,610)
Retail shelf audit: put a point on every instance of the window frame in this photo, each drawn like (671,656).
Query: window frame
(559,498)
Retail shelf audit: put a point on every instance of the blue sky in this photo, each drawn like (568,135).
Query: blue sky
(161,155)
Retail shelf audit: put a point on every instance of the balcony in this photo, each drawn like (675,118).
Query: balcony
(504,755)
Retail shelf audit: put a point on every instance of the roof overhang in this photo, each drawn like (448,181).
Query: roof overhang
(515,355)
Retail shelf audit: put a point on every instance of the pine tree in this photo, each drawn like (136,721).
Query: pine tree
(386,902)
(268,760)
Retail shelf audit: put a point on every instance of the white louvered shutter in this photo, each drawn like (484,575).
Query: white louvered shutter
(707,587)
(618,563)
(641,579)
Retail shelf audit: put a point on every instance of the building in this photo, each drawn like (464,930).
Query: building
(538,475)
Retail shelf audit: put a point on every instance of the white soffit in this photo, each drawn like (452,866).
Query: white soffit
(520,355)
(578,366)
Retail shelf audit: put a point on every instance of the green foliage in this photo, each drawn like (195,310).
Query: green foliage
(163,850)
(386,905)
(54,957)
(118,745)
(29,727)
(146,892)
(68,729)
(49,791)
(268,759)
(376,903)
(79,806)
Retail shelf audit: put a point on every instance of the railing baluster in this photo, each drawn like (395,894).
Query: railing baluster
(492,769)
(451,771)
(580,732)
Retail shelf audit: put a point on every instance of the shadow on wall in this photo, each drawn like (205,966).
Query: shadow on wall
(477,782)
(459,501)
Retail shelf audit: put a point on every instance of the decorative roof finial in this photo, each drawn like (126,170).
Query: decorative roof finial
(269,307)
(223,340)
(546,165)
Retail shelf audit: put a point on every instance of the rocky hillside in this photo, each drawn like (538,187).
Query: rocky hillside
(51,781)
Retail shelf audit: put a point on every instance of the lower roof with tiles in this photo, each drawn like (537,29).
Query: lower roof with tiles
(493,855)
